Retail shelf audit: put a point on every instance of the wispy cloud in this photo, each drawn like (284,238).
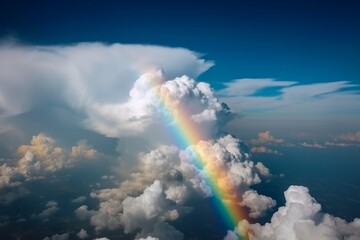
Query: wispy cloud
(312,145)
(263,149)
(354,137)
(292,99)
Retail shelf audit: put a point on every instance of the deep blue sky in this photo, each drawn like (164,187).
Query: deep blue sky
(305,41)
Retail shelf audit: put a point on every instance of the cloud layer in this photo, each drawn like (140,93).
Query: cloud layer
(301,218)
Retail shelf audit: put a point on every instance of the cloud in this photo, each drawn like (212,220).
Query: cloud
(167,177)
(340,144)
(312,145)
(288,99)
(84,80)
(41,157)
(83,213)
(144,107)
(263,149)
(82,234)
(157,191)
(64,236)
(51,208)
(163,230)
(258,204)
(147,208)
(266,138)
(249,86)
(353,137)
(80,199)
(301,218)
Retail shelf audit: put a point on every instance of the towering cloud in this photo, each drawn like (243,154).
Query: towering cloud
(167,176)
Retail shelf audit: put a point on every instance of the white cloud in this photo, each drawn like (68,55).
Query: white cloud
(266,138)
(41,157)
(147,208)
(301,219)
(145,108)
(312,145)
(354,137)
(258,204)
(80,199)
(167,177)
(51,208)
(293,99)
(86,77)
(340,144)
(83,213)
(82,234)
(248,86)
(148,238)
(102,238)
(163,230)
(64,236)
(263,149)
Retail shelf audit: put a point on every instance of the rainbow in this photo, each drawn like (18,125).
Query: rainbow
(188,134)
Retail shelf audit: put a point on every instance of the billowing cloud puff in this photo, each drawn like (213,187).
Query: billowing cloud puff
(300,219)
(151,100)
(82,234)
(267,138)
(149,206)
(258,204)
(41,157)
(167,177)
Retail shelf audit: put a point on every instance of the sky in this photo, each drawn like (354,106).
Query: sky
(129,119)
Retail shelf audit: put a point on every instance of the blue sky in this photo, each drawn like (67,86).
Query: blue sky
(305,41)
(78,114)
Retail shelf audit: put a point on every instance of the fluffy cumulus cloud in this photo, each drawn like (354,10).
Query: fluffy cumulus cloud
(267,138)
(43,156)
(301,218)
(258,204)
(150,98)
(167,177)
(82,234)
(262,142)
